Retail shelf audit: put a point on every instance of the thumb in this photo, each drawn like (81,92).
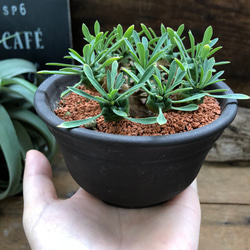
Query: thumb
(38,187)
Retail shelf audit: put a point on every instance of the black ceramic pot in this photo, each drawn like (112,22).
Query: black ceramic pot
(130,171)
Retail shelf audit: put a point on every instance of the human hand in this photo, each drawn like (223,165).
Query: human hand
(84,222)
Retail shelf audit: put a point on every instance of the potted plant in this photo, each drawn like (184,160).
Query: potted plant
(20,127)
(161,75)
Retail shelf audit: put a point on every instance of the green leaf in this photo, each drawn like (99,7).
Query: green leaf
(96,27)
(172,72)
(192,43)
(147,74)
(131,74)
(108,80)
(86,95)
(64,65)
(114,73)
(109,62)
(180,64)
(221,63)
(136,59)
(136,37)
(142,54)
(86,33)
(23,138)
(160,43)
(216,90)
(113,94)
(232,96)
(128,33)
(89,73)
(71,70)
(182,50)
(161,118)
(74,124)
(189,107)
(130,91)
(146,121)
(22,92)
(171,35)
(58,72)
(15,67)
(159,84)
(87,53)
(213,51)
(97,42)
(119,112)
(133,52)
(205,51)
(178,90)
(146,31)
(191,98)
(119,81)
(76,56)
(155,57)
(119,32)
(180,29)
(163,29)
(179,77)
(113,48)
(207,77)
(164,68)
(21,82)
(213,79)
(29,118)
(10,147)
(213,42)
(98,57)
(207,35)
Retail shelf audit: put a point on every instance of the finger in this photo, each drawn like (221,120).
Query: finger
(37,184)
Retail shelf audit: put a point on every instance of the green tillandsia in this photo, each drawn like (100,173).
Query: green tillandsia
(20,128)
(114,105)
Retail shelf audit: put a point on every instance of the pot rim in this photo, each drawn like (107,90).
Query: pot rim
(44,110)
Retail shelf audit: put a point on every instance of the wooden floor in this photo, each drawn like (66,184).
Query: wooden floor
(224,192)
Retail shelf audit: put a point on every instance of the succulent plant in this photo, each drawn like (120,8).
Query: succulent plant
(158,70)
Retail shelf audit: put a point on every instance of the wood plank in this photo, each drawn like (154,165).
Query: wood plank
(225,184)
(12,235)
(225,227)
(234,144)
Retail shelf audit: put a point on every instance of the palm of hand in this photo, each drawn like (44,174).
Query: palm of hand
(83,222)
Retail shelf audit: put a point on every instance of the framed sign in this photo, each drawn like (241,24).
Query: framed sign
(42,30)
